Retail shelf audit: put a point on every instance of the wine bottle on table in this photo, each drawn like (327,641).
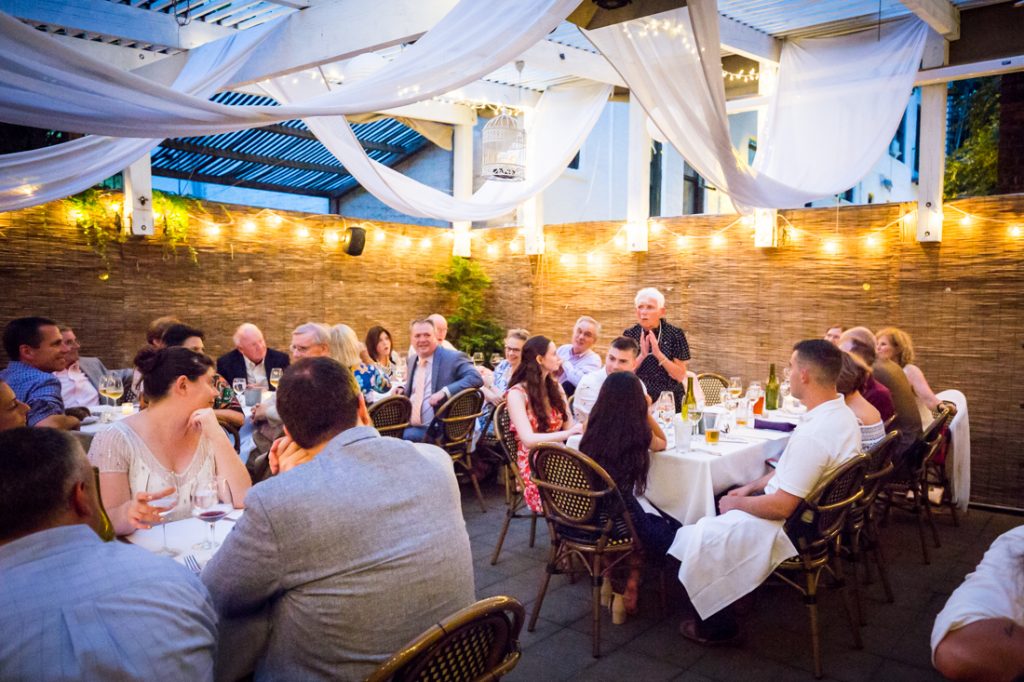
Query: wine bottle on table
(771,390)
(106,529)
(690,403)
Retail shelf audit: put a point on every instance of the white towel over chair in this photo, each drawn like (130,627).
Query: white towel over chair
(960,448)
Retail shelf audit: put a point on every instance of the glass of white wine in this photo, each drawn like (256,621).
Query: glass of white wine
(735,387)
(478,358)
(275,376)
(495,360)
(166,506)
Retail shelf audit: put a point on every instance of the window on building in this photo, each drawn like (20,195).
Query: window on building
(693,191)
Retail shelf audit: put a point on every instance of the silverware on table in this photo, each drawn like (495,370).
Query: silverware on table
(192,564)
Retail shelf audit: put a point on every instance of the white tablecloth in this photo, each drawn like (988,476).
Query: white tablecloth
(683,484)
(181,535)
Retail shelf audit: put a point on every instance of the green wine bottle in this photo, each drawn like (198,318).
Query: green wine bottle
(771,390)
(106,530)
(691,400)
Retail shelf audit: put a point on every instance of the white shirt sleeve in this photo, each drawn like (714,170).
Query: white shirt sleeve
(994,590)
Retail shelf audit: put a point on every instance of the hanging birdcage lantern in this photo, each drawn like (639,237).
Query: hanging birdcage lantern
(504,149)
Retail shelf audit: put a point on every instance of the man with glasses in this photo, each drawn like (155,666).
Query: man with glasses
(578,357)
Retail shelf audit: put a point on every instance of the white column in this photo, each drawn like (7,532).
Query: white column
(531,212)
(638,178)
(138,196)
(933,145)
(462,185)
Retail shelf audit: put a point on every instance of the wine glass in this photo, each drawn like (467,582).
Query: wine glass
(167,504)
(735,387)
(694,415)
(115,389)
(664,409)
(238,386)
(208,505)
(478,358)
(495,360)
(275,376)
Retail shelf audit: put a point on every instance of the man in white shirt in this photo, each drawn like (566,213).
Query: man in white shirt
(251,359)
(727,556)
(621,357)
(578,357)
(79,381)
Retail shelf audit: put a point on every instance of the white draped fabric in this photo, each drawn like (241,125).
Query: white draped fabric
(960,449)
(41,175)
(838,103)
(46,83)
(564,118)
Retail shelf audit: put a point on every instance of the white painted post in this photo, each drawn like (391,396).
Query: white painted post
(933,145)
(530,213)
(138,197)
(638,178)
(462,186)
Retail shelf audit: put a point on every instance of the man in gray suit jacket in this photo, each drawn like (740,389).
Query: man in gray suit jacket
(340,561)
(80,380)
(446,373)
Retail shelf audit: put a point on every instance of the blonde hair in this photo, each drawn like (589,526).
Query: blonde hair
(520,334)
(344,346)
(902,346)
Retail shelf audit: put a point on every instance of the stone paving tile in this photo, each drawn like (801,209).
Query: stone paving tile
(776,643)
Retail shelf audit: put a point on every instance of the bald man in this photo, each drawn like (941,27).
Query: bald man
(251,360)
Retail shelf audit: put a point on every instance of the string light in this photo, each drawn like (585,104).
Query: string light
(513,246)
(567,259)
(492,250)
(275,220)
(405,242)
(831,246)
(248,227)
(331,238)
(872,241)
(426,242)
(718,240)
(1016,231)
(212,231)
(379,236)
(682,241)
(302,233)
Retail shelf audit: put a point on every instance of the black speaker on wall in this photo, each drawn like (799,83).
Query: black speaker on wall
(355,240)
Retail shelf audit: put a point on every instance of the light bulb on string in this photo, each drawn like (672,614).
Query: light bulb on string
(718,240)
(331,238)
(302,233)
(492,250)
(405,242)
(513,246)
(872,241)
(831,246)
(248,227)
(682,242)
(965,221)
(1016,231)
(567,259)
(379,236)
(425,243)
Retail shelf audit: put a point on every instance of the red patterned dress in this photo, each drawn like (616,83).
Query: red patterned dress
(531,495)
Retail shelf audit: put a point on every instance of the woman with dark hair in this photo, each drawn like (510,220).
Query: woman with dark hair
(225,405)
(537,407)
(174,444)
(851,379)
(381,350)
(620,435)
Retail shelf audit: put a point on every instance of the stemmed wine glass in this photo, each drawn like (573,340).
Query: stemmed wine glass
(478,358)
(167,505)
(399,370)
(275,376)
(211,503)
(694,415)
(664,409)
(495,360)
(735,387)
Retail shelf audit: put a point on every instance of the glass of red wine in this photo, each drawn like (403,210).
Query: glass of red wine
(211,502)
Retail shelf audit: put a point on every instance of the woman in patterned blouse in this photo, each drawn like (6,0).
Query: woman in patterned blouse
(225,405)
(345,349)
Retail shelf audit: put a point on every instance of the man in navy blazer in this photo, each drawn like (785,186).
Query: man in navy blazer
(447,373)
(251,360)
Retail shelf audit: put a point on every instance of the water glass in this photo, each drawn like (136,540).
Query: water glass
(166,505)
(238,386)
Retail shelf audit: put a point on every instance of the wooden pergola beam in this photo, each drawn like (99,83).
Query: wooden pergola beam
(941,15)
(234,182)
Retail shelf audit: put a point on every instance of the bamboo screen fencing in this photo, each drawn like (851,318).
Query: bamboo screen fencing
(962,300)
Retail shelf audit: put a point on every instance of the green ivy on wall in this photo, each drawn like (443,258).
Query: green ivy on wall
(171,212)
(98,221)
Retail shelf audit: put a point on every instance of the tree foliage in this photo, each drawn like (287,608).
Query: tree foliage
(469,327)
(972,160)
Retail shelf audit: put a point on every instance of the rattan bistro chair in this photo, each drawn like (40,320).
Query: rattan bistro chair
(515,505)
(391,415)
(480,642)
(908,487)
(452,430)
(815,528)
(587,519)
(712,384)
(860,536)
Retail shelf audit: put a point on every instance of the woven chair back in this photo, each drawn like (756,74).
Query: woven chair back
(820,517)
(391,415)
(930,442)
(579,498)
(457,417)
(480,642)
(712,384)
(503,430)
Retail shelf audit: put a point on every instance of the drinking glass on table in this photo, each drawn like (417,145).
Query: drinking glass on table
(209,504)
(238,386)
(694,415)
(478,358)
(495,360)
(275,376)
(711,433)
(756,396)
(166,506)
(664,408)
(735,387)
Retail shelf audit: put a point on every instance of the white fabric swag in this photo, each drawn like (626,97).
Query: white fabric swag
(41,175)
(564,117)
(44,83)
(838,103)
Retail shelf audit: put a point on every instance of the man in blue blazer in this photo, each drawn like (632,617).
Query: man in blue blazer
(435,375)
(251,360)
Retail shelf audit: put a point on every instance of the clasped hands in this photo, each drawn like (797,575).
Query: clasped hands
(649,346)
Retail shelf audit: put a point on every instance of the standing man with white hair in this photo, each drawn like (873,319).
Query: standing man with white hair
(663,347)
(251,360)
(578,357)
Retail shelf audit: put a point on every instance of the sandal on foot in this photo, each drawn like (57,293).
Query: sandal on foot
(688,629)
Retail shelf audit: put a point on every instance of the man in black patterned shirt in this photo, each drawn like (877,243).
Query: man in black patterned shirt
(663,347)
